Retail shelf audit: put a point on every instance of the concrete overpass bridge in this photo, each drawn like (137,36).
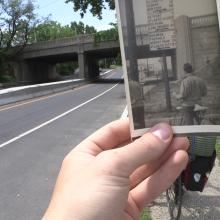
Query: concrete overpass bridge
(37,62)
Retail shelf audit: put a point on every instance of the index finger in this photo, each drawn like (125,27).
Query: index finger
(108,137)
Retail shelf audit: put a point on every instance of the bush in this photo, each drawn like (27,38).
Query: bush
(145,215)
(6,79)
(66,69)
(107,35)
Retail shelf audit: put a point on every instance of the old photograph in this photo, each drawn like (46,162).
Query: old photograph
(171,58)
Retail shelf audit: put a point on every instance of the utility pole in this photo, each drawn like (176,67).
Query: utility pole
(166,82)
(132,57)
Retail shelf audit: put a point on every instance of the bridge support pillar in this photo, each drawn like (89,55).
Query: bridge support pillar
(88,66)
(18,69)
(83,65)
(22,71)
(184,44)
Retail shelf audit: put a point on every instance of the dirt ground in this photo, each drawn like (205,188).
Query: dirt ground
(156,107)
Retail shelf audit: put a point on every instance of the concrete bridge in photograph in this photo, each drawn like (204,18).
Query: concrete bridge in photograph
(37,62)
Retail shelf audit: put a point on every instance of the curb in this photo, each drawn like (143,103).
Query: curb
(21,93)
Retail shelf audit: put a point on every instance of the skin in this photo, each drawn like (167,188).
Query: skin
(108,177)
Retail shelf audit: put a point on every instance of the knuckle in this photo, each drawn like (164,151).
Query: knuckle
(147,140)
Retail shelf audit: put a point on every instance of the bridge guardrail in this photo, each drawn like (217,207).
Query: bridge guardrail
(61,42)
(68,41)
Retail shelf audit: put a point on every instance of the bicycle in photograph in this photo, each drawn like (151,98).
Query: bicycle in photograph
(174,194)
(174,199)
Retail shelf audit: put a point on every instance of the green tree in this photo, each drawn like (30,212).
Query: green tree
(17,19)
(77,27)
(80,28)
(50,30)
(90,29)
(65,69)
(95,6)
(107,35)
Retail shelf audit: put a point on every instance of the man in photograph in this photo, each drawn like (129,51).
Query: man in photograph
(192,89)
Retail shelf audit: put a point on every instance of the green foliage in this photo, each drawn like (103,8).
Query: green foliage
(17,19)
(80,28)
(90,29)
(6,78)
(106,35)
(65,69)
(95,6)
(118,60)
(145,215)
(51,30)
(111,63)
(106,63)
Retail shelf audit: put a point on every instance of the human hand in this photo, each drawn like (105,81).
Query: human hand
(107,178)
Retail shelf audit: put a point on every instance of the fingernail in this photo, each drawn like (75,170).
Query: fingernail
(162,131)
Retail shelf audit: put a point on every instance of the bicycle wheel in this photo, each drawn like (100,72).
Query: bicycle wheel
(174,199)
(177,119)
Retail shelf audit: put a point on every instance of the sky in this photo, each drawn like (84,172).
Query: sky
(64,14)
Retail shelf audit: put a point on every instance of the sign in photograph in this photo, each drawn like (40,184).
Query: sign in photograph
(160,22)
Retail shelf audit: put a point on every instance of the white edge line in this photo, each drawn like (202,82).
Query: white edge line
(106,72)
(54,119)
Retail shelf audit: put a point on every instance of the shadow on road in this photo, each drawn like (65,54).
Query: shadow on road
(110,81)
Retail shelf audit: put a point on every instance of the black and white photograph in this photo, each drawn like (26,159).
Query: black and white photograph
(171,63)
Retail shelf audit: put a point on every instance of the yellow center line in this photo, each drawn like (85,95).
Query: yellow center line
(42,98)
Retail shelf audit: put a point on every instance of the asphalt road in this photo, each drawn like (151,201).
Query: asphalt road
(36,135)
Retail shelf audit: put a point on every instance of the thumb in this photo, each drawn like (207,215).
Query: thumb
(148,148)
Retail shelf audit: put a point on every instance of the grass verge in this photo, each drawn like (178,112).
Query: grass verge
(145,215)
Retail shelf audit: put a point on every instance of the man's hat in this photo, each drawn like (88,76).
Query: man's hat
(188,67)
